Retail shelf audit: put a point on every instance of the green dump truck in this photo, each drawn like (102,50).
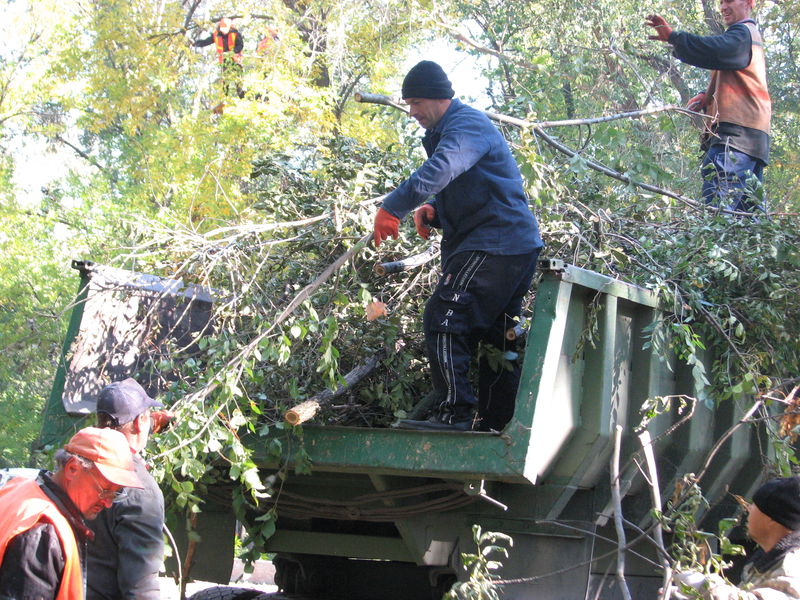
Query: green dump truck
(386,513)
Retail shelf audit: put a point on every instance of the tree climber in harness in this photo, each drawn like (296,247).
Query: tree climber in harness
(229,44)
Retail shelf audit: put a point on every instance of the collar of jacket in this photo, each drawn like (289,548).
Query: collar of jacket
(455,104)
(764,561)
(62,501)
(743,21)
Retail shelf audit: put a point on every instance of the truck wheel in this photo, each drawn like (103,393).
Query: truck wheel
(443,585)
(316,575)
(223,592)
(288,574)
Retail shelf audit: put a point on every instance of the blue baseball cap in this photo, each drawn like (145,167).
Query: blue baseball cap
(124,400)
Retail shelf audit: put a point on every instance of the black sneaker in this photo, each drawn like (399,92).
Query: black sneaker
(436,423)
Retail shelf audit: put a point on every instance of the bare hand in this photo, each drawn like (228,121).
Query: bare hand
(663,30)
(698,102)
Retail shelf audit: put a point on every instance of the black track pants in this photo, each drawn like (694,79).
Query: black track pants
(476,300)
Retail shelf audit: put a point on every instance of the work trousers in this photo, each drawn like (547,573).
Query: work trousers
(731,178)
(476,300)
(232,73)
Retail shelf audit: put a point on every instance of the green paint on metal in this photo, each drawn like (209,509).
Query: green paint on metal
(57,425)
(337,544)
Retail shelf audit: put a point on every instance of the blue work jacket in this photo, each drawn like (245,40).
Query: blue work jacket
(476,188)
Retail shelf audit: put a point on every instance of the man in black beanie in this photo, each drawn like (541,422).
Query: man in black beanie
(471,189)
(773,572)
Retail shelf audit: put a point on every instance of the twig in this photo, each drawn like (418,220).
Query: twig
(81,153)
(240,230)
(633,114)
(190,13)
(600,168)
(731,430)
(462,37)
(311,287)
(190,550)
(655,497)
(617,499)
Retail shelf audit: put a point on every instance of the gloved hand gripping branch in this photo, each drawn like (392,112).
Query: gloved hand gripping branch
(386,224)
(423,217)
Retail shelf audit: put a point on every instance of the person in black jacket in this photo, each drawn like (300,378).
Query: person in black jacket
(773,571)
(128,548)
(229,44)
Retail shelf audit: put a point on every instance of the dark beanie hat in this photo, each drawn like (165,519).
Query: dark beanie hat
(779,499)
(426,79)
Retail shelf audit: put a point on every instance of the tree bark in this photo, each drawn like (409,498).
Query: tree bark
(306,410)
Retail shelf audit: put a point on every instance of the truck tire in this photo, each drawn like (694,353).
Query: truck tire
(225,592)
(315,576)
(287,574)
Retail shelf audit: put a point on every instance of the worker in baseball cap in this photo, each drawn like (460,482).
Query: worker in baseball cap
(43,521)
(128,550)
(123,401)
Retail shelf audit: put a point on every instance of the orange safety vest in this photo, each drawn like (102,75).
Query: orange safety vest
(24,505)
(741,97)
(266,43)
(219,42)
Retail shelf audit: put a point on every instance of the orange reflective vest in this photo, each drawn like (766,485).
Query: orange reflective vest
(219,42)
(741,97)
(24,505)
(266,44)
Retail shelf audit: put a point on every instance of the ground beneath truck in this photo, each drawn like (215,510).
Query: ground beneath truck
(261,581)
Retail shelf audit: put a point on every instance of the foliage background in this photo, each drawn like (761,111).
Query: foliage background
(258,200)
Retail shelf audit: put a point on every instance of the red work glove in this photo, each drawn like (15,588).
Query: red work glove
(423,217)
(661,26)
(160,420)
(386,224)
(697,103)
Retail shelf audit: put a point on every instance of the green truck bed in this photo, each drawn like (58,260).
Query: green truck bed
(406,500)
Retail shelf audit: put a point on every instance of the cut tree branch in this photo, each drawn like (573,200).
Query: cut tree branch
(655,497)
(237,363)
(464,38)
(538,129)
(617,499)
(407,263)
(306,410)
